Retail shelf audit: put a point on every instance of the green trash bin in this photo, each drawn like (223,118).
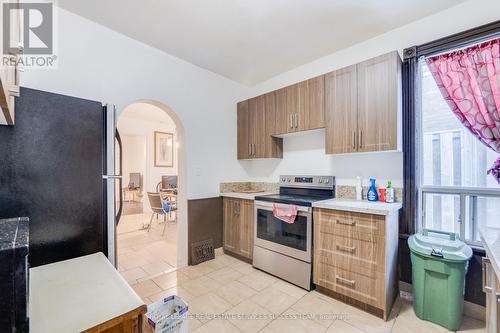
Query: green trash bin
(439,263)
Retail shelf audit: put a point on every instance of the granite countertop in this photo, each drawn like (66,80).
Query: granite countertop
(243,195)
(14,233)
(358,206)
(77,294)
(491,242)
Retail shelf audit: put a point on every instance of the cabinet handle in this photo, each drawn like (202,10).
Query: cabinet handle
(349,249)
(296,120)
(290,117)
(354,140)
(341,280)
(253,149)
(351,223)
(249,149)
(360,139)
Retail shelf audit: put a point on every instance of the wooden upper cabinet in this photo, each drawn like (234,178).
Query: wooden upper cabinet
(315,106)
(256,121)
(378,102)
(242,131)
(257,127)
(282,122)
(341,111)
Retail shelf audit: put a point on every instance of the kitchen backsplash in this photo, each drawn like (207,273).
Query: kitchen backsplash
(341,191)
(349,192)
(248,186)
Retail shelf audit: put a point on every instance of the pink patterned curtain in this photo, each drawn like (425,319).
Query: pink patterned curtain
(469,81)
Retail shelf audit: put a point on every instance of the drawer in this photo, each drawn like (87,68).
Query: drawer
(357,286)
(365,257)
(350,224)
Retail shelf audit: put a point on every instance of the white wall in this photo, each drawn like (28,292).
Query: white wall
(305,153)
(99,64)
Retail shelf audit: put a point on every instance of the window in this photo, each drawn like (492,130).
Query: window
(456,193)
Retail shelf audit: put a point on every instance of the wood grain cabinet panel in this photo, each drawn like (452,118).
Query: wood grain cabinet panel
(341,111)
(378,102)
(282,121)
(238,226)
(256,122)
(315,103)
(355,257)
(231,227)
(242,130)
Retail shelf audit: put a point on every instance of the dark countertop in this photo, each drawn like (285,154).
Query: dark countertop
(14,233)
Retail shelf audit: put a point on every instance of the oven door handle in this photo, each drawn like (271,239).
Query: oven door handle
(269,206)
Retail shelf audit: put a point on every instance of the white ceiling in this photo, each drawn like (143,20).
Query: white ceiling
(252,40)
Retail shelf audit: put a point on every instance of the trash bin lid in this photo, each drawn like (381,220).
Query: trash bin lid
(440,244)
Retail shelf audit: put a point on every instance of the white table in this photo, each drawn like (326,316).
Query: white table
(85,293)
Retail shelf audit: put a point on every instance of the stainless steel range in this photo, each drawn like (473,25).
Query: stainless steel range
(285,249)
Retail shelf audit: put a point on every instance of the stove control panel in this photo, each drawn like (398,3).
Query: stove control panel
(326,182)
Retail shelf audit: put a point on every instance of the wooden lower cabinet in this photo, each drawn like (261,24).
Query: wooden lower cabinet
(355,256)
(238,215)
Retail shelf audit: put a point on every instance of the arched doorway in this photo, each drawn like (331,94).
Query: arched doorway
(143,125)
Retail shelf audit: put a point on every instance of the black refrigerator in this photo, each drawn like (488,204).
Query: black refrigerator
(58,169)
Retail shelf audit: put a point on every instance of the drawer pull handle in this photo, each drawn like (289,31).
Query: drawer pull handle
(350,223)
(350,249)
(341,280)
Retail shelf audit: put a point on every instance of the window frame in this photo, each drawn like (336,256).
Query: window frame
(412,198)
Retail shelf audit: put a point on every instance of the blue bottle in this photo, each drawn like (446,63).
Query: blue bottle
(372,194)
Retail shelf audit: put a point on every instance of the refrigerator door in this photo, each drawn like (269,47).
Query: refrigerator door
(51,171)
(111,178)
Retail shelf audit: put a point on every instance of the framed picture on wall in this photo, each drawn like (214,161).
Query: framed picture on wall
(164,149)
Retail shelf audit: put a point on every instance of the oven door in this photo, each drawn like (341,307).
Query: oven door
(291,239)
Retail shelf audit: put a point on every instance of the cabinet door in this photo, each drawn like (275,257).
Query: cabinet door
(315,106)
(257,127)
(274,146)
(231,226)
(282,123)
(242,129)
(341,111)
(246,228)
(378,102)
(292,106)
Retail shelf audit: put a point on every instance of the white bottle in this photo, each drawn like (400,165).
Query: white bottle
(389,193)
(359,188)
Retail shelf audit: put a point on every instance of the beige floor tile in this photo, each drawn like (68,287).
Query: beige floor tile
(170,280)
(225,275)
(290,289)
(273,300)
(291,321)
(207,306)
(258,280)
(218,326)
(408,322)
(471,325)
(131,260)
(366,321)
(193,324)
(249,316)
(156,267)
(235,292)
(243,267)
(200,286)
(266,330)
(340,326)
(225,260)
(133,274)
(191,271)
(179,291)
(322,311)
(146,288)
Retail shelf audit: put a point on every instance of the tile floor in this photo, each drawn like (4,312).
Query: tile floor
(253,301)
(143,254)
